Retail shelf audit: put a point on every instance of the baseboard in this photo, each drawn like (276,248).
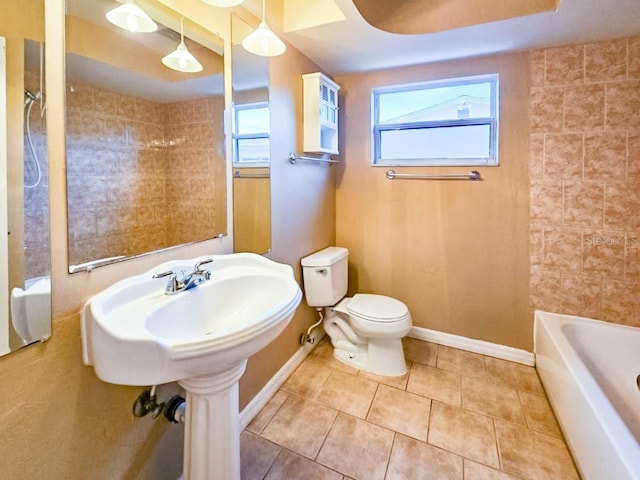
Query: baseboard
(471,345)
(249,412)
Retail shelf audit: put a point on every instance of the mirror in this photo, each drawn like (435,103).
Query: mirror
(25,286)
(146,161)
(251,146)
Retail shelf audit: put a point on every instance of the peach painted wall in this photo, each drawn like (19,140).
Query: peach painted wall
(455,252)
(585,180)
(302,208)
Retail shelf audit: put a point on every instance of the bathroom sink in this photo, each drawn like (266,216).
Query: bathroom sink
(135,334)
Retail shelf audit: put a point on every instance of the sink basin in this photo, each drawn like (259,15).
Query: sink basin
(134,334)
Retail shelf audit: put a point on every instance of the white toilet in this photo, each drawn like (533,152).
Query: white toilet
(366,330)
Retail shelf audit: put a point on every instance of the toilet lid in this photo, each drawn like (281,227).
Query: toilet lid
(377,308)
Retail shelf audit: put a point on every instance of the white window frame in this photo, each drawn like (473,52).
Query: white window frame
(247,136)
(491,121)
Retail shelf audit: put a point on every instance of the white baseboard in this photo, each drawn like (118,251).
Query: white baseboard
(471,345)
(249,412)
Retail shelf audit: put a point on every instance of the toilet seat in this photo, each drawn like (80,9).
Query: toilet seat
(377,308)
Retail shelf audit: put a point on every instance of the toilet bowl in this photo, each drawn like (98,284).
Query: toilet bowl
(366,330)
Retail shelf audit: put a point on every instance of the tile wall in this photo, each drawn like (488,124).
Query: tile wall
(36,200)
(585,180)
(140,173)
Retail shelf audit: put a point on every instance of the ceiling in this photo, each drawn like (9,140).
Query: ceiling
(351,44)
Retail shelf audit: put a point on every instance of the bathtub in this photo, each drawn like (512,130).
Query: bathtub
(589,370)
(31,310)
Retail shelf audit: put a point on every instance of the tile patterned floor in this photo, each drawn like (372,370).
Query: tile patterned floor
(455,415)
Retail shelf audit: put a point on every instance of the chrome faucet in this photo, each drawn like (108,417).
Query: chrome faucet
(190,280)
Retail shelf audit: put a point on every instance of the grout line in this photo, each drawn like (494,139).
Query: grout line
(393,444)
(497,445)
(324,440)
(429,420)
(523,410)
(316,394)
(274,413)
(373,398)
(282,449)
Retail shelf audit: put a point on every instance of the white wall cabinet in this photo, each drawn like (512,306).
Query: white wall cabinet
(320,101)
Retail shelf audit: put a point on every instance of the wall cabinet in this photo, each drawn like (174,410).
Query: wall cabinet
(320,101)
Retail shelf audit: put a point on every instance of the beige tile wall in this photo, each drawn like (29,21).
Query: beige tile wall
(140,173)
(585,180)
(36,200)
(197,204)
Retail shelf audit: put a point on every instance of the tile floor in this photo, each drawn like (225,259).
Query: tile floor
(455,415)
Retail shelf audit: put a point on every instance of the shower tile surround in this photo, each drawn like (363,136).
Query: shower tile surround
(585,180)
(341,423)
(36,200)
(129,161)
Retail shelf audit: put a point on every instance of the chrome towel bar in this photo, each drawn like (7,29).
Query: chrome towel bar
(293,158)
(472,175)
(237,174)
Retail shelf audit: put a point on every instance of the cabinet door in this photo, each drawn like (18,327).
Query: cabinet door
(328,105)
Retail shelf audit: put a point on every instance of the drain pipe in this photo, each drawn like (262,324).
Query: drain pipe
(175,410)
(306,337)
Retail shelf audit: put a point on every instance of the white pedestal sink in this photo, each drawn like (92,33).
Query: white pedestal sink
(135,334)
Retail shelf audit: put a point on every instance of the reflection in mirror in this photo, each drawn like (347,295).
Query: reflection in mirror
(145,143)
(251,146)
(25,286)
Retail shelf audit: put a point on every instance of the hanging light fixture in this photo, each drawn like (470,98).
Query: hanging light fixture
(223,3)
(131,17)
(262,41)
(181,59)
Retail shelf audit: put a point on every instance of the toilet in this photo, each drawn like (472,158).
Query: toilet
(366,330)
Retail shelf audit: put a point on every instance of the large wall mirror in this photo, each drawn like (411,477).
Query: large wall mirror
(251,145)
(146,161)
(25,287)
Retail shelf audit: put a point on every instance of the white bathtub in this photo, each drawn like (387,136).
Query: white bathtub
(589,370)
(31,310)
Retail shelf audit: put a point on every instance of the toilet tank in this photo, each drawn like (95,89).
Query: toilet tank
(325,276)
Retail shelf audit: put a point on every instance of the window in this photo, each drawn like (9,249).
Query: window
(447,122)
(251,135)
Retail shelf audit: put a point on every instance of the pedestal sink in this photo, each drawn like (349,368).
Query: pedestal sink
(135,334)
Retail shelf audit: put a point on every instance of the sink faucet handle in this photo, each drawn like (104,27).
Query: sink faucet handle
(203,262)
(163,274)
(173,284)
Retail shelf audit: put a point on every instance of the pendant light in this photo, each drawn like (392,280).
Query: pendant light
(223,3)
(262,41)
(181,59)
(131,17)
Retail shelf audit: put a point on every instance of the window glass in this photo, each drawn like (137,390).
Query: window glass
(252,120)
(251,135)
(253,150)
(448,122)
